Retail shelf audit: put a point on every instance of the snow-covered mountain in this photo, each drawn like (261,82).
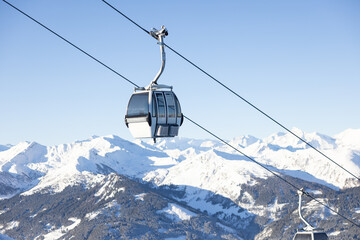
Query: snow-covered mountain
(197,163)
(207,171)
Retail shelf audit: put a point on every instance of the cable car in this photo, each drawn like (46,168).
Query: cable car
(308,232)
(154,111)
(311,236)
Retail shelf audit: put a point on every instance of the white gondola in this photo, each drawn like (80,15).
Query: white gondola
(154,111)
(308,232)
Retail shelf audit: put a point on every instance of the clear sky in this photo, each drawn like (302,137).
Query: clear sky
(298,61)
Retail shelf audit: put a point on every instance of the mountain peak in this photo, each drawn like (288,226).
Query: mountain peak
(297,131)
(349,137)
(244,141)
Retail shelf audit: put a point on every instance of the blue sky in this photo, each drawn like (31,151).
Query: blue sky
(298,61)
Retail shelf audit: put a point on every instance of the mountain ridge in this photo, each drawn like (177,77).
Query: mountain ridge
(198,175)
(106,154)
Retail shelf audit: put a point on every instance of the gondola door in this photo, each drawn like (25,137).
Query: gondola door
(161,108)
(161,128)
(171,108)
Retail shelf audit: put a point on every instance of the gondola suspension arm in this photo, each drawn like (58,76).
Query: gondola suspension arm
(159,35)
(308,226)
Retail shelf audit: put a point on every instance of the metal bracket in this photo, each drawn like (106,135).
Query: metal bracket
(157,33)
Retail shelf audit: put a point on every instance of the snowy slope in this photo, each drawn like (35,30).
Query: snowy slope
(81,161)
(222,169)
(295,158)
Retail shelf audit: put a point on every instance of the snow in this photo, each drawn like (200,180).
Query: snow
(92,215)
(4,211)
(108,190)
(9,226)
(349,138)
(177,213)
(271,211)
(285,152)
(79,162)
(264,234)
(140,196)
(314,192)
(112,207)
(58,233)
(243,141)
(199,199)
(274,209)
(182,144)
(209,171)
(334,233)
(17,158)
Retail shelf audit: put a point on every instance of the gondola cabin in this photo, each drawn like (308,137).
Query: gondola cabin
(153,113)
(310,235)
